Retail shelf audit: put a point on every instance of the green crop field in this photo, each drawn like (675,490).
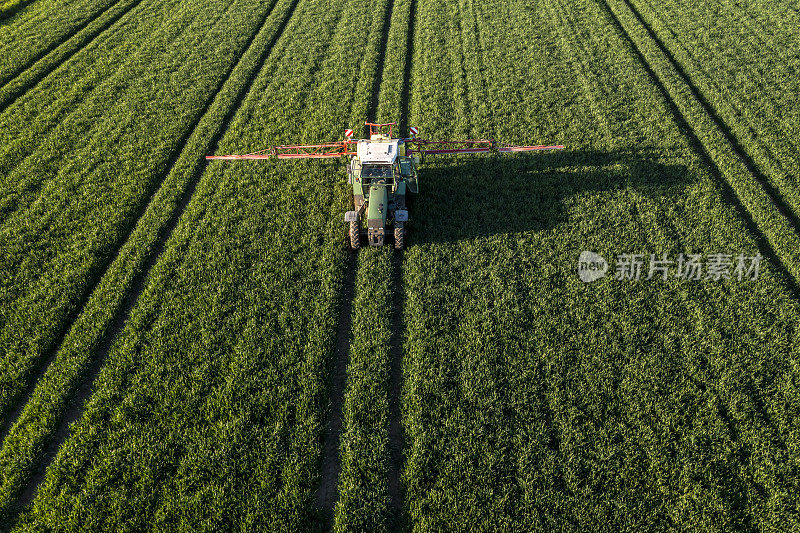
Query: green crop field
(190,345)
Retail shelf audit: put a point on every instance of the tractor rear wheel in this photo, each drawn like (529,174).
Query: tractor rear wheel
(355,237)
(399,236)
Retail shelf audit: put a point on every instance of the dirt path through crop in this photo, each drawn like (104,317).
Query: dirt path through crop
(398,298)
(405,95)
(396,437)
(327,493)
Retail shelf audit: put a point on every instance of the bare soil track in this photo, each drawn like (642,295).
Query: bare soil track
(327,494)
(405,96)
(395,390)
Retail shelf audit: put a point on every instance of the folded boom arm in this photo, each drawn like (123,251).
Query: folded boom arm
(414,146)
(470,146)
(299,151)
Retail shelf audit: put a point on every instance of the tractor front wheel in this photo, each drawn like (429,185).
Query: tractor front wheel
(355,237)
(399,236)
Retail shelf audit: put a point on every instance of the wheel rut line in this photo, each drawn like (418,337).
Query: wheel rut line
(13,95)
(730,137)
(405,94)
(757,401)
(372,109)
(721,407)
(728,193)
(397,317)
(327,493)
(76,407)
(396,434)
(724,93)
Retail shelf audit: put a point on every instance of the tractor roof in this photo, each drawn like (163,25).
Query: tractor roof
(377,151)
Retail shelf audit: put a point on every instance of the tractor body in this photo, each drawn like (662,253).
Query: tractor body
(381,174)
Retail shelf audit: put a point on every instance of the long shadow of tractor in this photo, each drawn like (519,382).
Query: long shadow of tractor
(486,196)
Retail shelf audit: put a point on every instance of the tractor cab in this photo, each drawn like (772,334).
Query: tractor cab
(372,171)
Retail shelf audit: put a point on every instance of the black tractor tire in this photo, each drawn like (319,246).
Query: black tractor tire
(399,236)
(355,235)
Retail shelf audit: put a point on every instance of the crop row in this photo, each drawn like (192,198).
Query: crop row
(757,97)
(224,358)
(72,201)
(532,400)
(50,26)
(41,414)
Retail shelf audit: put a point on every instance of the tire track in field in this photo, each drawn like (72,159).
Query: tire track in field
(397,301)
(372,109)
(397,317)
(721,125)
(28,77)
(728,193)
(328,492)
(669,230)
(76,407)
(405,94)
(396,436)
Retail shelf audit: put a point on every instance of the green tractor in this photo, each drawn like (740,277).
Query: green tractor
(382,171)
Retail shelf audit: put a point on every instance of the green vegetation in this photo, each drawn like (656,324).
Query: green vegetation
(40,416)
(288,371)
(756,98)
(9,7)
(534,401)
(199,302)
(69,204)
(49,31)
(363,503)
